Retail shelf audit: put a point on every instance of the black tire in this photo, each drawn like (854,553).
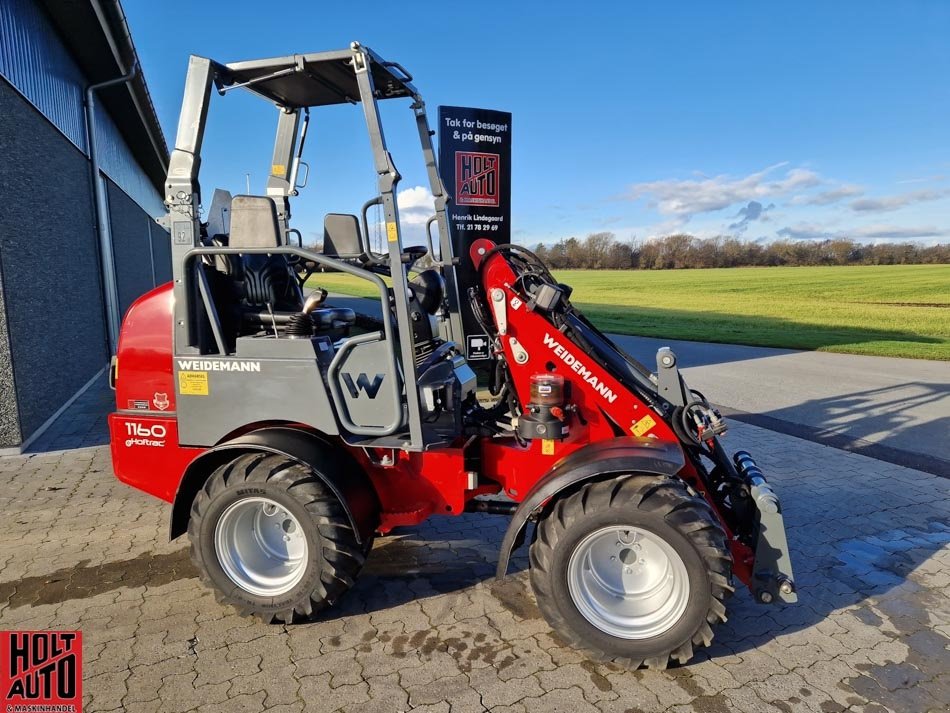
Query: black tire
(334,557)
(664,507)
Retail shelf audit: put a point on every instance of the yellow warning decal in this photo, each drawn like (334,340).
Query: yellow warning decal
(193,383)
(642,426)
(547,447)
(391,233)
(278,169)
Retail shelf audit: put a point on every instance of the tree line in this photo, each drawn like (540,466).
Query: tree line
(603,251)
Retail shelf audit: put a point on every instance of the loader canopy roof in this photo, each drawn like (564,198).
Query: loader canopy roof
(317,79)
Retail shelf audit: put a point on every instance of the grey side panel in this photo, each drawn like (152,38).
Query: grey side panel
(614,457)
(131,246)
(257,387)
(51,281)
(364,388)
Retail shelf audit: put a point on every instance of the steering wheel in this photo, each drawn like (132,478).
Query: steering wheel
(415,251)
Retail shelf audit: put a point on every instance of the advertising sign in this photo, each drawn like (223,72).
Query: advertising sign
(475,165)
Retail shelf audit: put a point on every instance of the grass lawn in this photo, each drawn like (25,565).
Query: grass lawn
(900,310)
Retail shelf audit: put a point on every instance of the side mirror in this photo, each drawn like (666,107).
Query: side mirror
(341,236)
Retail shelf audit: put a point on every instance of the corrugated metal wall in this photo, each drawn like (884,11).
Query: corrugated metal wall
(35,62)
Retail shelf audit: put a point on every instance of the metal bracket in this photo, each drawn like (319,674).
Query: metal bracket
(669,381)
(521,356)
(772,577)
(500,309)
(224,89)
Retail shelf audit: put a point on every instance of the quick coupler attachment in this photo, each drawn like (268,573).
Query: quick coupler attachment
(772,578)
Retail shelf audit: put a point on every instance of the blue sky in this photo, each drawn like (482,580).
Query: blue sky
(805,120)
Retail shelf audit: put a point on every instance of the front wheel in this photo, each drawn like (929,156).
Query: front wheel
(635,569)
(272,540)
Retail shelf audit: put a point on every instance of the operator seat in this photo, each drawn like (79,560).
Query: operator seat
(270,293)
(268,281)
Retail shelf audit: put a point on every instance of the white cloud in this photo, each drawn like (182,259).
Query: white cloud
(924,179)
(894,232)
(415,197)
(804,231)
(812,231)
(416,205)
(830,196)
(885,204)
(689,196)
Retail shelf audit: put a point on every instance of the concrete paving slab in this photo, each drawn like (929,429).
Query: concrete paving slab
(870,542)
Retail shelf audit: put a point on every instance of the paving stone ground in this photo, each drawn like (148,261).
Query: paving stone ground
(426,629)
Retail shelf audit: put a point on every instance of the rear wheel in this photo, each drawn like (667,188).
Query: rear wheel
(635,570)
(272,540)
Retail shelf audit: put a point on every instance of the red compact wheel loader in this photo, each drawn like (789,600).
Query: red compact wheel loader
(287,432)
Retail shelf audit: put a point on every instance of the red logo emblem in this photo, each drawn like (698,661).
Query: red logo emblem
(41,670)
(160,401)
(477,178)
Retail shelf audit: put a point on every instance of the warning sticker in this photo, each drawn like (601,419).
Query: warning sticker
(547,447)
(193,383)
(477,347)
(278,169)
(642,426)
(391,233)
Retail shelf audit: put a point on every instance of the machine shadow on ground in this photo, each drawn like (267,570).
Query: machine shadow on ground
(880,412)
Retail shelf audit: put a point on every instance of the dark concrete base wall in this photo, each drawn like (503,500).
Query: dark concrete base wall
(131,246)
(162,250)
(139,246)
(9,417)
(48,248)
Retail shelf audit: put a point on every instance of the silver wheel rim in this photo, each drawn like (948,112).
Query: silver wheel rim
(261,546)
(628,582)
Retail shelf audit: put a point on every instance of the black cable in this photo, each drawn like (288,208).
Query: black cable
(526,255)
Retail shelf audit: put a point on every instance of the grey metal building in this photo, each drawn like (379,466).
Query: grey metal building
(75,250)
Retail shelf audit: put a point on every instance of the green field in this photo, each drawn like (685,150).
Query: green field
(899,310)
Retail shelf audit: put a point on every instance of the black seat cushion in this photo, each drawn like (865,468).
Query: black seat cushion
(267,280)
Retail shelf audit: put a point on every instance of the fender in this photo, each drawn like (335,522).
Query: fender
(345,479)
(617,456)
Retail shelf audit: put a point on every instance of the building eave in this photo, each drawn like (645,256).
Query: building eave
(97,35)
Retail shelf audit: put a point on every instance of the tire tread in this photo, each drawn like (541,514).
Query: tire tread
(343,557)
(689,514)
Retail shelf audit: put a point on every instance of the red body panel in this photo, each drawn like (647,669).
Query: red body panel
(144,431)
(146,454)
(593,390)
(597,395)
(418,485)
(145,353)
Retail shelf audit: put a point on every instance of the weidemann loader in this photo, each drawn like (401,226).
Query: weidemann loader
(287,432)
